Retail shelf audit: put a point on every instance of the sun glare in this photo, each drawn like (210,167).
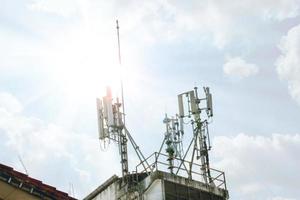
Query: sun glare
(84,64)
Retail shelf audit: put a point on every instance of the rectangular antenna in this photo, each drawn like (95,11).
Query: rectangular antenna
(119,115)
(100,119)
(210,108)
(108,111)
(180,106)
(108,108)
(208,102)
(194,107)
(181,125)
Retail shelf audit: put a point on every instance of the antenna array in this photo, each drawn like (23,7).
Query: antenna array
(194,112)
(173,139)
(111,125)
(190,109)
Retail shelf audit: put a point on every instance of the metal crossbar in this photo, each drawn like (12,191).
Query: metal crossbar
(155,162)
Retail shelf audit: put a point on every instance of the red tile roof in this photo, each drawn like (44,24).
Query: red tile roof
(31,185)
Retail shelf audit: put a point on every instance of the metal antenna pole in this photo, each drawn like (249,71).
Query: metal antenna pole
(123,138)
(121,74)
(23,165)
(138,152)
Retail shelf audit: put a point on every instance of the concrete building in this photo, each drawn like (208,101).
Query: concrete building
(15,185)
(158,183)
(157,186)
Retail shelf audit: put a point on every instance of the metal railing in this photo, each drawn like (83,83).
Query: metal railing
(158,162)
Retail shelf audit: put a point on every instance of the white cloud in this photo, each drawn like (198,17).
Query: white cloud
(10,103)
(237,67)
(153,20)
(280,10)
(228,21)
(49,150)
(288,64)
(223,20)
(260,167)
(281,198)
(64,8)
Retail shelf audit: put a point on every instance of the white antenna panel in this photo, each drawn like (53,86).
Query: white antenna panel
(104,108)
(108,111)
(194,106)
(180,106)
(209,104)
(209,108)
(181,126)
(101,131)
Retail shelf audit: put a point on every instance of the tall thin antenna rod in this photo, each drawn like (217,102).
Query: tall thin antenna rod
(23,165)
(120,66)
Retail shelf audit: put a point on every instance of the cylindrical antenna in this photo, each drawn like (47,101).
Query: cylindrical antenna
(121,76)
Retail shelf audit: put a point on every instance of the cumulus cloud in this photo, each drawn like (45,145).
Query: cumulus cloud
(260,167)
(226,21)
(237,67)
(10,103)
(64,8)
(288,64)
(50,151)
(174,19)
(283,9)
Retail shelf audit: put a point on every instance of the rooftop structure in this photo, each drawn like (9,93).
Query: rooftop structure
(158,185)
(15,185)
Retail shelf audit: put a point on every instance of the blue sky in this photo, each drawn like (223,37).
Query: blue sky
(56,57)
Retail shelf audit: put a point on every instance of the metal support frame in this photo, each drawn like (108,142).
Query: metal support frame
(159,153)
(123,153)
(138,151)
(158,161)
(197,149)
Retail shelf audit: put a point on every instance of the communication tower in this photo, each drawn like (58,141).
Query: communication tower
(111,125)
(180,173)
(194,112)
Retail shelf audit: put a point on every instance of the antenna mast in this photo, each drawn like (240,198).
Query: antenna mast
(111,124)
(22,163)
(191,110)
(122,136)
(121,74)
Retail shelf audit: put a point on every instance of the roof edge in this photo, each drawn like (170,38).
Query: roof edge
(101,187)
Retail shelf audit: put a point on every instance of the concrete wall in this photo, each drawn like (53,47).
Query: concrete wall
(155,191)
(153,188)
(108,194)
